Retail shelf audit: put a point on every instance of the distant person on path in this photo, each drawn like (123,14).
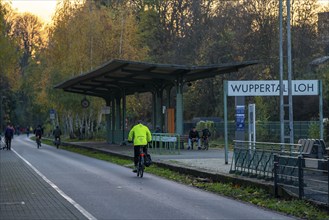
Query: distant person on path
(193,137)
(140,135)
(9,135)
(18,130)
(57,133)
(27,131)
(38,132)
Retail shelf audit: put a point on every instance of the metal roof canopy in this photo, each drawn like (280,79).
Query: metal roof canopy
(118,78)
(139,77)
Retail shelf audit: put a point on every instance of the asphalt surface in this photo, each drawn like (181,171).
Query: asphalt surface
(50,183)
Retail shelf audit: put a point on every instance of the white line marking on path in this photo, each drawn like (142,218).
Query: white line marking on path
(69,199)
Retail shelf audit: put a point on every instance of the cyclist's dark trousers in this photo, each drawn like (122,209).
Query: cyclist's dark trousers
(59,138)
(8,143)
(136,153)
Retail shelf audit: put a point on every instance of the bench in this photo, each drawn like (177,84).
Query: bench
(184,139)
(313,148)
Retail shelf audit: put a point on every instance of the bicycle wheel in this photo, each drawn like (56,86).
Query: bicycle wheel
(140,169)
(207,145)
(38,143)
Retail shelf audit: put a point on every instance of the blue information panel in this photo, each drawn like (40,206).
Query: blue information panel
(240,117)
(52,114)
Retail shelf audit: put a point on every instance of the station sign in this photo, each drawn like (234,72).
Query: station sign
(272,88)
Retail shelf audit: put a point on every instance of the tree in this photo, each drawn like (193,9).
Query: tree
(8,67)
(27,29)
(91,35)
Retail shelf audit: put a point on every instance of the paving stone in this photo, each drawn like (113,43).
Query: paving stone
(25,195)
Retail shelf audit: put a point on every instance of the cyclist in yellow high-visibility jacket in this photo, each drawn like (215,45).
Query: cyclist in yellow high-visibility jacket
(141,136)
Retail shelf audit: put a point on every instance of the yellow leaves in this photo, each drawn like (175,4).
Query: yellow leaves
(91,36)
(14,79)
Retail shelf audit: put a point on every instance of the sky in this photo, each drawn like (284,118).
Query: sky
(42,8)
(46,8)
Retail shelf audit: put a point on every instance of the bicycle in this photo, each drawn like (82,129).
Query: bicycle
(205,143)
(57,142)
(140,164)
(38,140)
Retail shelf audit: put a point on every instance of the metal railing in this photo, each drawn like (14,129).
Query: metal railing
(304,177)
(165,143)
(256,159)
(270,129)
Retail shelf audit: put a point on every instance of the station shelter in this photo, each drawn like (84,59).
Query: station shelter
(117,79)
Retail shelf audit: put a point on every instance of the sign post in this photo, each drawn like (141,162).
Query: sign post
(252,124)
(52,116)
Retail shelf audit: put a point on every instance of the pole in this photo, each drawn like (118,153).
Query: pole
(291,120)
(321,109)
(225,122)
(281,74)
(300,178)
(1,114)
(276,165)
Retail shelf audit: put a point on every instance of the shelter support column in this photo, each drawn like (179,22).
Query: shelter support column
(167,107)
(158,109)
(113,120)
(124,115)
(153,109)
(179,107)
(117,112)
(108,122)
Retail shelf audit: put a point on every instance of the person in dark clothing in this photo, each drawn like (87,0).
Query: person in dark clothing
(157,129)
(9,134)
(27,131)
(205,134)
(38,132)
(193,137)
(57,133)
(205,138)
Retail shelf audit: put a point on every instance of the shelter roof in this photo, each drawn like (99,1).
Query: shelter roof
(116,76)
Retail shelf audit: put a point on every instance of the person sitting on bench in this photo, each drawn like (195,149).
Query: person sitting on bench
(193,137)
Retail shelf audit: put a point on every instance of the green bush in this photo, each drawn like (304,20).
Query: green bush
(206,124)
(314,130)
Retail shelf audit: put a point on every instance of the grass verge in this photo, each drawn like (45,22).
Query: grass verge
(259,197)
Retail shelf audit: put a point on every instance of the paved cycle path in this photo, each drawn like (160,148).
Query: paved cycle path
(25,195)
